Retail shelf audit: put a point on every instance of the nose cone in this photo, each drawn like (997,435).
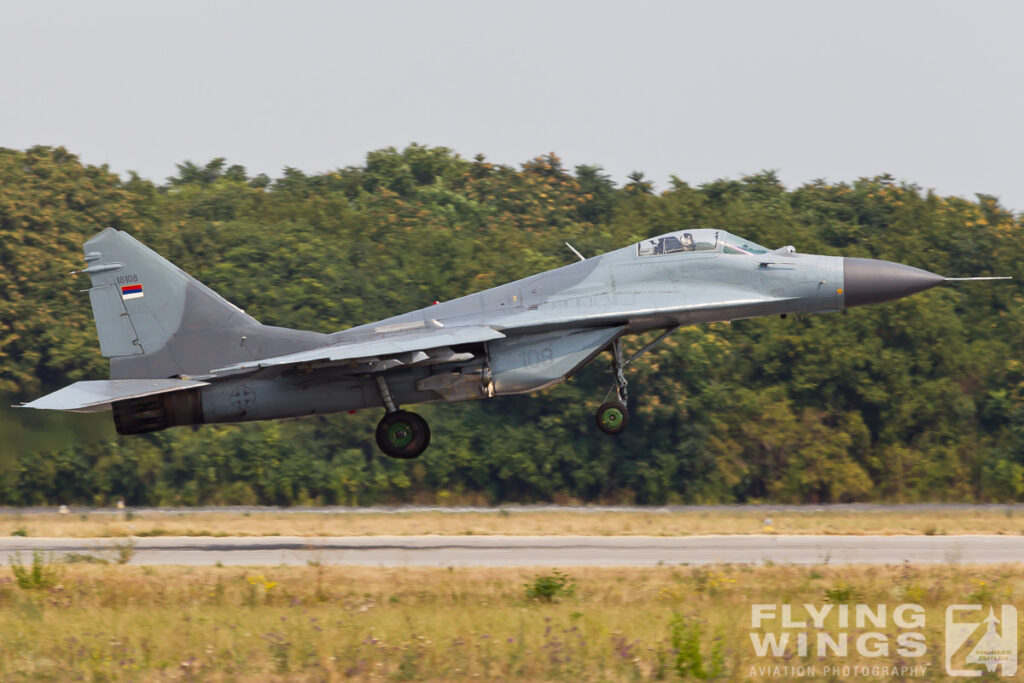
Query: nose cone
(870,281)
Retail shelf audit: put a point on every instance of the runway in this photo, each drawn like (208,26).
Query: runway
(510,551)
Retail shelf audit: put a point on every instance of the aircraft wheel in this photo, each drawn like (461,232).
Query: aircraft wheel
(612,417)
(402,434)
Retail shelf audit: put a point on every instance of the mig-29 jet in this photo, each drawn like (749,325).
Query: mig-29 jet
(182,355)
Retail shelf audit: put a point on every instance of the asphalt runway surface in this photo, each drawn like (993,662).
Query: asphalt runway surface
(551,551)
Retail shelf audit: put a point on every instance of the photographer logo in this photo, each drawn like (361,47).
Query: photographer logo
(978,643)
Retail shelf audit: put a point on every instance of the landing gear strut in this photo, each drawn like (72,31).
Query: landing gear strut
(400,434)
(613,415)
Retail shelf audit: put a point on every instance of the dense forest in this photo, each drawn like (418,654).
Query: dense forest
(915,400)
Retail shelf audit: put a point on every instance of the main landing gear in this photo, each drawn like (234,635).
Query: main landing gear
(613,415)
(400,434)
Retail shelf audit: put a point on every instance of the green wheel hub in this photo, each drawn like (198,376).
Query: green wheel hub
(611,417)
(400,434)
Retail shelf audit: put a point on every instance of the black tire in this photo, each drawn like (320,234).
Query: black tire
(612,417)
(403,435)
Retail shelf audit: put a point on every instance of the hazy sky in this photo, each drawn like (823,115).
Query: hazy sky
(929,91)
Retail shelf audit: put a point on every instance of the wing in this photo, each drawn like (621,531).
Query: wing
(394,346)
(96,395)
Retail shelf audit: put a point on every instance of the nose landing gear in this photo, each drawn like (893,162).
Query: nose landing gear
(613,415)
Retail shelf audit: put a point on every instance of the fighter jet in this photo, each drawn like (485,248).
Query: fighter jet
(180,354)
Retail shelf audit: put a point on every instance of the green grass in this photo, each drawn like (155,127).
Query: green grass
(315,623)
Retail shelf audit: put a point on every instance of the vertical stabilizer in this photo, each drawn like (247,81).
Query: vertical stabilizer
(154,320)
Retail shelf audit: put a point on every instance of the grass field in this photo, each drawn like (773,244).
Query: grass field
(87,622)
(727,520)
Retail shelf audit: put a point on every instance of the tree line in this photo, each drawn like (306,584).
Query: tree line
(915,400)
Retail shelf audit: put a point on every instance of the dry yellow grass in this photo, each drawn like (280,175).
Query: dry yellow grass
(732,520)
(350,623)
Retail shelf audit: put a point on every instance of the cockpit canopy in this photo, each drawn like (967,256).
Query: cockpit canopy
(701,239)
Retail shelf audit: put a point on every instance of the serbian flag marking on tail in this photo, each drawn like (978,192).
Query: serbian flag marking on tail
(131,291)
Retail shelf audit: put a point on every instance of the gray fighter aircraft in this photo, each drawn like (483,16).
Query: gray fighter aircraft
(182,355)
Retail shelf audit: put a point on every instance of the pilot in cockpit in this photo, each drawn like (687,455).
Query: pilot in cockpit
(688,243)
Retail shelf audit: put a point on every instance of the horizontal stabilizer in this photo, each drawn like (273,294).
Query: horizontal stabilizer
(96,395)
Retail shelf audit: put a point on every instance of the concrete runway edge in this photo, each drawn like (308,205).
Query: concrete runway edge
(552,551)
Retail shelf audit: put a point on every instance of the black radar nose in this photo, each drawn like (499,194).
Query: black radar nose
(871,281)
